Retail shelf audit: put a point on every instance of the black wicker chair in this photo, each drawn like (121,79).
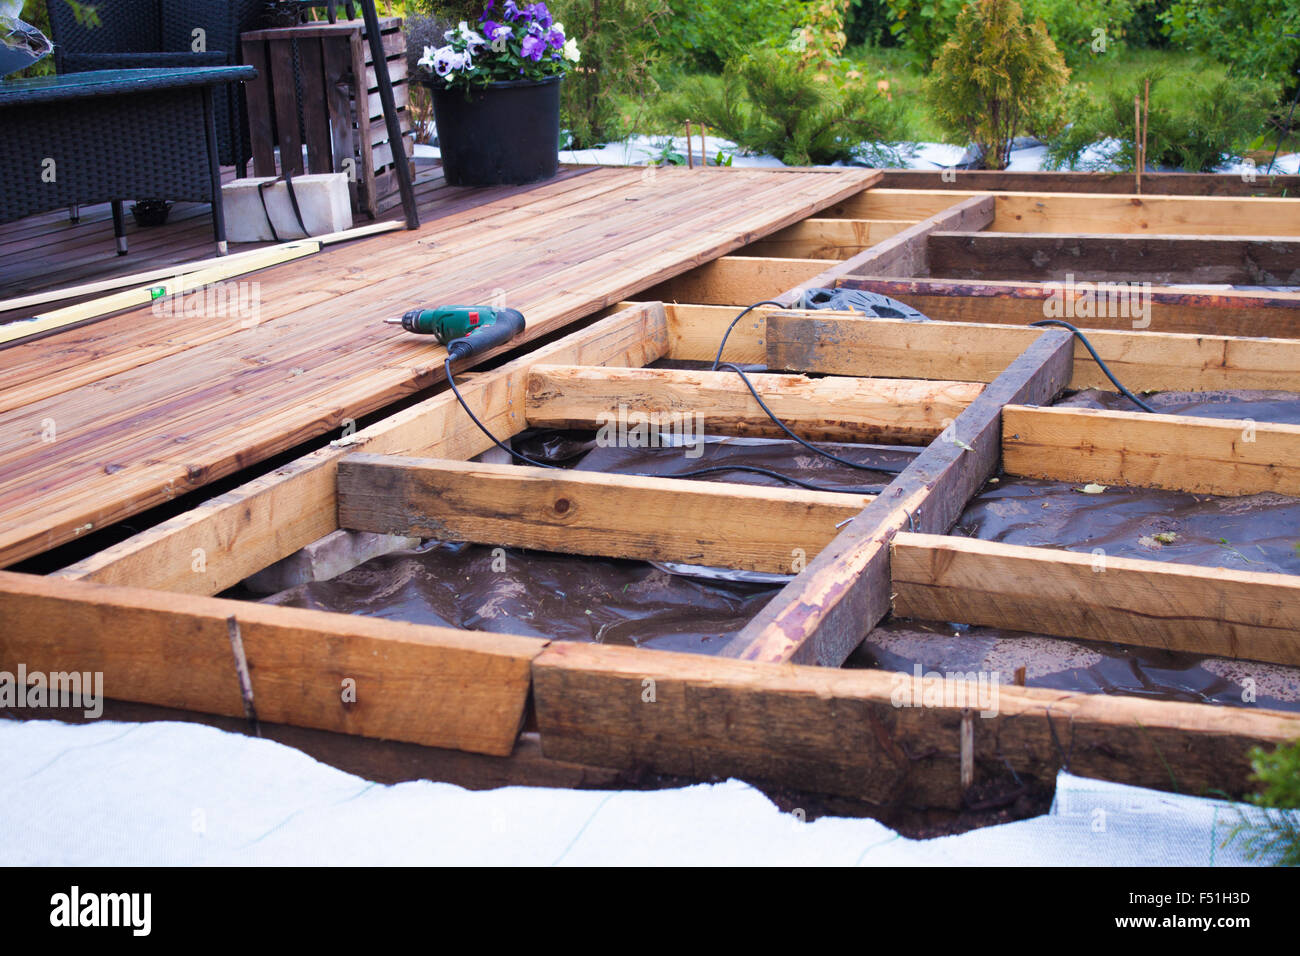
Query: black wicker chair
(143,34)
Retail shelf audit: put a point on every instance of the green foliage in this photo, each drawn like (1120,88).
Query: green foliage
(707,34)
(923,26)
(767,102)
(1270,830)
(995,76)
(618,42)
(869,22)
(1246,34)
(1196,122)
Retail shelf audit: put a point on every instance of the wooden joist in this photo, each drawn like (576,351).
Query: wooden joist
(738,280)
(826,238)
(1117,258)
(843,344)
(824,409)
(1153,184)
(1137,449)
(1218,611)
(1045,212)
(1119,306)
(376,678)
(822,615)
(719,524)
(844,732)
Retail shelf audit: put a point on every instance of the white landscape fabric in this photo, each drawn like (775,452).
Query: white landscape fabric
(105,793)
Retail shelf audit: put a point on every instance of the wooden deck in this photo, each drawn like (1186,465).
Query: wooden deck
(104,421)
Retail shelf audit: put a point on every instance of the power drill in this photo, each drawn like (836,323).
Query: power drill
(465,330)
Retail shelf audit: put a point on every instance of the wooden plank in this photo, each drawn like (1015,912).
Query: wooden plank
(1120,258)
(1152,215)
(161,289)
(1153,184)
(429,685)
(1093,213)
(842,732)
(336,65)
(822,615)
(840,344)
(285,100)
(315,111)
(221,542)
(1137,449)
(826,238)
(719,524)
(737,280)
(826,409)
(1218,611)
(1157,308)
(258,93)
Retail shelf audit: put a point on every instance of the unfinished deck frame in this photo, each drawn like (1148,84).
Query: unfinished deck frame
(758,716)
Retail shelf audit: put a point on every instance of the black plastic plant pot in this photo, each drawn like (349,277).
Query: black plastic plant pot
(504,134)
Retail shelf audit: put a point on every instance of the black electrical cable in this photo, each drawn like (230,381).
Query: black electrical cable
(483,428)
(1100,364)
(750,469)
(748,309)
(889,469)
(451,380)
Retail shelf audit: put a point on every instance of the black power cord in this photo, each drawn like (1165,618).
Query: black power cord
(1100,364)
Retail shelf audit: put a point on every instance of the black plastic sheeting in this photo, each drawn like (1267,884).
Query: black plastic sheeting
(1260,406)
(1073,665)
(1251,533)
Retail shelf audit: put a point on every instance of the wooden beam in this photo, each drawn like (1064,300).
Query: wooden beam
(1045,212)
(1118,258)
(906,253)
(841,344)
(1137,449)
(843,731)
(223,541)
(738,280)
(822,615)
(824,409)
(1153,184)
(1178,607)
(826,238)
(428,685)
(1157,309)
(728,281)
(576,512)
(1151,215)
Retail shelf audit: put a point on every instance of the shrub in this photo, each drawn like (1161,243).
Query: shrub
(617,39)
(1195,123)
(869,22)
(994,76)
(923,26)
(1272,831)
(768,102)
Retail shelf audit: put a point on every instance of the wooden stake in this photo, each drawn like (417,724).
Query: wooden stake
(690,150)
(1137,143)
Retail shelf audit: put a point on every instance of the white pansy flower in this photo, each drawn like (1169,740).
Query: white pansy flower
(571,50)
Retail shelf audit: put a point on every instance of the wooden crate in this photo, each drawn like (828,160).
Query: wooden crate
(311,71)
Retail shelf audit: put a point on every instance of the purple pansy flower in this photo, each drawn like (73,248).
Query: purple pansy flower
(511,10)
(541,14)
(533,48)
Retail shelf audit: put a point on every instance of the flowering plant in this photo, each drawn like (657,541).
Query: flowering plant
(525,44)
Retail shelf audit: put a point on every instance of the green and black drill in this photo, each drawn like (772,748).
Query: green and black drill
(465,330)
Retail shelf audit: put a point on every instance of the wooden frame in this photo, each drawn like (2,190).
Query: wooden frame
(766,710)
